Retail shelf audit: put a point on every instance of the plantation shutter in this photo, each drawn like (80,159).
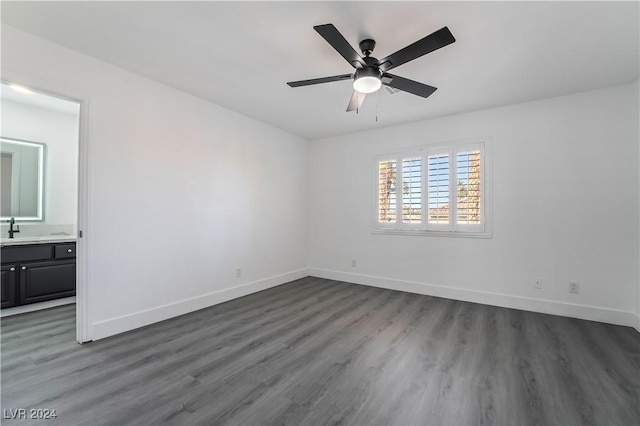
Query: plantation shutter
(469,187)
(412,189)
(387,201)
(438,188)
(432,188)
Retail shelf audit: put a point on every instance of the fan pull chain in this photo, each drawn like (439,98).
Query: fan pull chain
(377,106)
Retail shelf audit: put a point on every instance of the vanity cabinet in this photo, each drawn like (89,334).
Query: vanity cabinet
(38,272)
(9,276)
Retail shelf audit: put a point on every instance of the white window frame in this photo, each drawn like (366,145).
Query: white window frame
(452,229)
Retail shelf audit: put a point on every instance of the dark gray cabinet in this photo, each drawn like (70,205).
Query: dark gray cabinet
(9,275)
(38,272)
(40,281)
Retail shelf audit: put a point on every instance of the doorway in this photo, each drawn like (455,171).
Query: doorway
(43,259)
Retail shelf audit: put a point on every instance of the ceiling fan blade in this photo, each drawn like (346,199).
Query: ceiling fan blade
(433,41)
(320,80)
(356,101)
(338,42)
(410,86)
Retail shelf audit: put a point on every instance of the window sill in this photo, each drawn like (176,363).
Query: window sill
(423,233)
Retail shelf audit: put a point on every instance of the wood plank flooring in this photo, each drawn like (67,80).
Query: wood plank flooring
(321,352)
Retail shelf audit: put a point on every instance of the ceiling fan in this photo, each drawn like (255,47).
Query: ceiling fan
(371,73)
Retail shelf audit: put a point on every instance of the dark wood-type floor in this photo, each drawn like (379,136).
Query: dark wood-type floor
(323,352)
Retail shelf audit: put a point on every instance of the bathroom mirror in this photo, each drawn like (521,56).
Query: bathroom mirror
(21,180)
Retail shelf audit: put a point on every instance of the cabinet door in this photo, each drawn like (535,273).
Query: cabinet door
(9,275)
(47,280)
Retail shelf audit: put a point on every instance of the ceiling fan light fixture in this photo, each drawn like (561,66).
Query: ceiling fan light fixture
(367,80)
(367,84)
(370,71)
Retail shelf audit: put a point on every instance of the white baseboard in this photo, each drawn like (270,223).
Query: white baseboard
(139,319)
(592,313)
(7,312)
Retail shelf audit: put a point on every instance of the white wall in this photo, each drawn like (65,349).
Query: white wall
(181,191)
(565,208)
(59,131)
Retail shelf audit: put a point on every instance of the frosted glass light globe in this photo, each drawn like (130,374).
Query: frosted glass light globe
(367,84)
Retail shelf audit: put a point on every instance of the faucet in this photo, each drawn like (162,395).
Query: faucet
(12,231)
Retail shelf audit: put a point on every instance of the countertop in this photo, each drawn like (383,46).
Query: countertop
(18,241)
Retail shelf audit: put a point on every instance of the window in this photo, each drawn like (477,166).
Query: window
(387,191)
(412,190)
(434,190)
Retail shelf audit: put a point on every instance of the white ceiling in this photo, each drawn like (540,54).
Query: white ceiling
(241,54)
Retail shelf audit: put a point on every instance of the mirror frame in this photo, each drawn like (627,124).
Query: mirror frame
(41,162)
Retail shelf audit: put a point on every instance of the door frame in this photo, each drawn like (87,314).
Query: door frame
(59,90)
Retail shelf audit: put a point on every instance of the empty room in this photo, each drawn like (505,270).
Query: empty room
(309,213)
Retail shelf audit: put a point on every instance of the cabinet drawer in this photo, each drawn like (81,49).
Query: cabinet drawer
(65,251)
(26,253)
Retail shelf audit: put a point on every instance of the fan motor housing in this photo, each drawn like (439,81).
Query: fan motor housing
(368,71)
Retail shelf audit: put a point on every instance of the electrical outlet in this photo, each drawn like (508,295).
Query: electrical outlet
(353,263)
(238,272)
(574,288)
(537,283)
